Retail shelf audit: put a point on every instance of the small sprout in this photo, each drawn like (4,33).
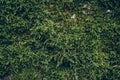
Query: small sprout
(73,16)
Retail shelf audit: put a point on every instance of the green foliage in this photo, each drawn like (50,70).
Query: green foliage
(62,40)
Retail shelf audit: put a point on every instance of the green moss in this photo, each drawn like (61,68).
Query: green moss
(40,39)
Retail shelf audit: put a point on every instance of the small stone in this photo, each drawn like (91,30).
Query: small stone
(84,12)
(108,11)
(73,16)
(85,6)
